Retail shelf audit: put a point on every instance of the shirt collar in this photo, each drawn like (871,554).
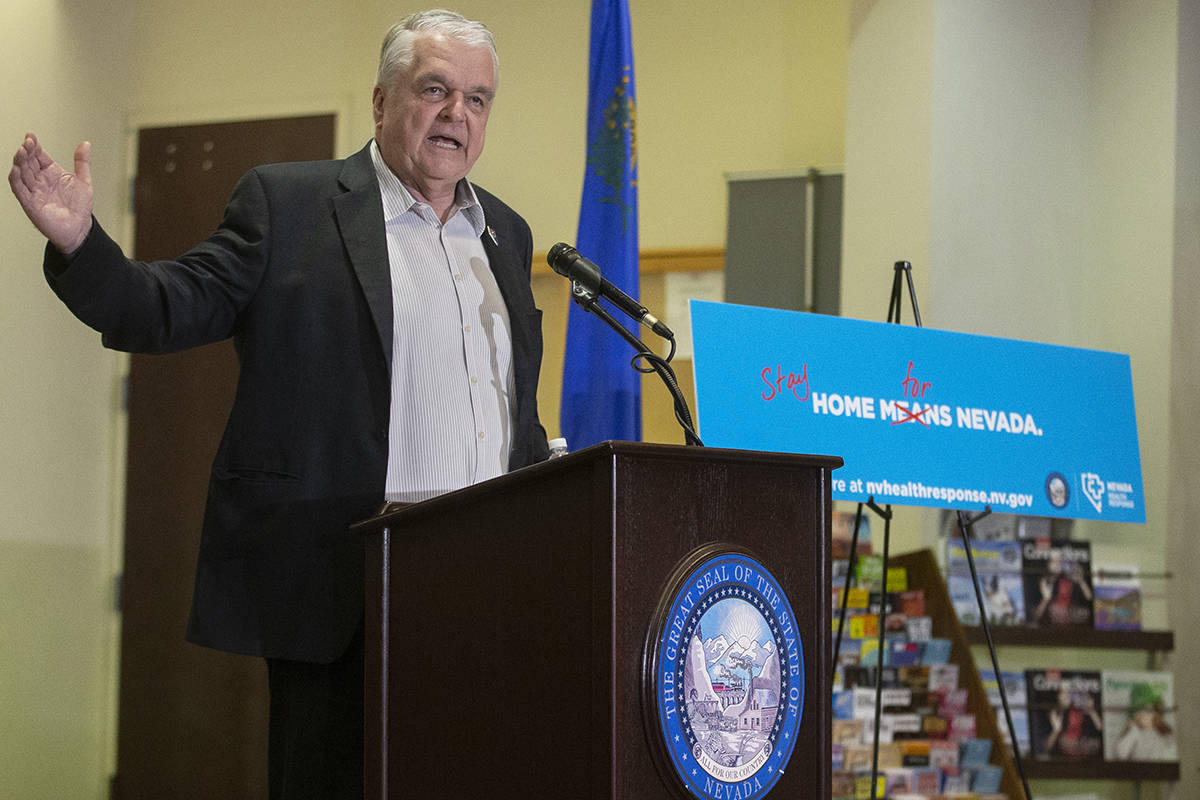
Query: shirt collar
(397,199)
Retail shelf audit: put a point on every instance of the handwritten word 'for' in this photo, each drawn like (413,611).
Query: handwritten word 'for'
(779,381)
(913,387)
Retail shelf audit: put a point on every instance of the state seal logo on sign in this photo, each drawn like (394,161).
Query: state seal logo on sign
(1058,490)
(724,669)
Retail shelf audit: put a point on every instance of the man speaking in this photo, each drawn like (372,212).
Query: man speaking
(389,348)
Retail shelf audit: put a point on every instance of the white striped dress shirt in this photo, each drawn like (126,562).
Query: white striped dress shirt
(452,377)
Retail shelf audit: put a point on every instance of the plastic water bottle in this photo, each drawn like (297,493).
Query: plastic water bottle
(558,447)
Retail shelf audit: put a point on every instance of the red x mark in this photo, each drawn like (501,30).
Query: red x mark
(909,416)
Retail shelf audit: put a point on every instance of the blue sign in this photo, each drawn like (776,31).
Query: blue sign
(924,417)
(729,679)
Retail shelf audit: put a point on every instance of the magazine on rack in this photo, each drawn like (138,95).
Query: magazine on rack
(1139,716)
(1058,583)
(1064,713)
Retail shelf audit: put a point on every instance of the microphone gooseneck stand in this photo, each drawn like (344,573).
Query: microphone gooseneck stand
(586,297)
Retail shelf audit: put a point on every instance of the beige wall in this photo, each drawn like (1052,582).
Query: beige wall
(887,186)
(1126,281)
(58,404)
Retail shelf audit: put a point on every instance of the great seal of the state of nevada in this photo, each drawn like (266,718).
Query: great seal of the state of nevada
(725,669)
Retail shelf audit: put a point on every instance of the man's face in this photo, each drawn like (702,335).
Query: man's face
(430,121)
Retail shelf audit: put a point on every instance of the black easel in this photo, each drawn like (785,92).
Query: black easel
(964,523)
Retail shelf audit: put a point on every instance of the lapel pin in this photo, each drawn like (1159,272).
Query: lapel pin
(492,234)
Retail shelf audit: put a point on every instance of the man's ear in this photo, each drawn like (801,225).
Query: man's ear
(377,97)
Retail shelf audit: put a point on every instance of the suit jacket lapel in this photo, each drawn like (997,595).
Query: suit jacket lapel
(359,213)
(509,275)
(506,258)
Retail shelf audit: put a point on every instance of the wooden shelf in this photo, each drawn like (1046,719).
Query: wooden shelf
(1017,636)
(1097,769)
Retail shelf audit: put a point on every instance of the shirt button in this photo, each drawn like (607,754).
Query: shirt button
(481,434)
(457,277)
(467,328)
(474,379)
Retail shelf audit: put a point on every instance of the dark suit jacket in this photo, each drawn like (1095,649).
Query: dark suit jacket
(298,274)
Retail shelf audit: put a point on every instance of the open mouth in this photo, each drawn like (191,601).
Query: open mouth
(445,142)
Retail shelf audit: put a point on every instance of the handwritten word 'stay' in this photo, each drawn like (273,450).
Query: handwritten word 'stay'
(780,381)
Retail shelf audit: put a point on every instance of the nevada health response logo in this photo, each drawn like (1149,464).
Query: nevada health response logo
(726,675)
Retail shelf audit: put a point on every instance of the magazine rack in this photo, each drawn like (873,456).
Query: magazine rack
(923,572)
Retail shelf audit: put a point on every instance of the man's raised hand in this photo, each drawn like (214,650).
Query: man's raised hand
(57,202)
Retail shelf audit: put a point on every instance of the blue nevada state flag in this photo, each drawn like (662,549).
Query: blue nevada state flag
(601,392)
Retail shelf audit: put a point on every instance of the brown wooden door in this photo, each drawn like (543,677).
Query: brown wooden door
(192,721)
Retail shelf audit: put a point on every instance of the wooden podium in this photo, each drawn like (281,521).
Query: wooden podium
(507,623)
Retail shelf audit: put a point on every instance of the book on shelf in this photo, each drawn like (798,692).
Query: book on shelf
(998,566)
(1057,577)
(868,574)
(1118,597)
(903,653)
(985,779)
(1064,714)
(936,651)
(1014,691)
(840,569)
(911,602)
(1139,716)
(842,524)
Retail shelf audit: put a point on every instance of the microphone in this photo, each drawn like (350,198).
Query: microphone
(566,261)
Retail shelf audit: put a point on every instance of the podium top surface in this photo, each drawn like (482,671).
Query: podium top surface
(613,451)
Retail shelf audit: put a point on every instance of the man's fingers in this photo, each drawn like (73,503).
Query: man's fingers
(38,152)
(25,169)
(28,161)
(83,162)
(24,154)
(17,185)
(28,145)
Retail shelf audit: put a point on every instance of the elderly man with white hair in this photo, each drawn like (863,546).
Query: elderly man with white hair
(389,349)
